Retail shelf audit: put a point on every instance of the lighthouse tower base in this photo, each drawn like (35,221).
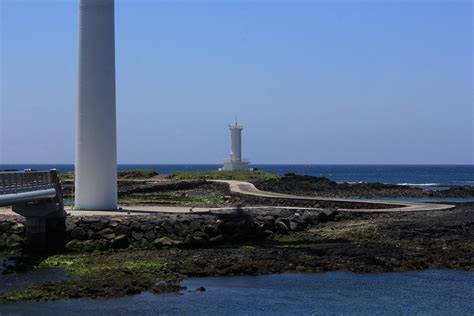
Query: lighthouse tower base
(235,166)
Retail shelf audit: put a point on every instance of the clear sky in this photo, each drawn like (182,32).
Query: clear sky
(312,82)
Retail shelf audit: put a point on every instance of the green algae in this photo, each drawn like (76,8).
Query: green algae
(99,263)
(98,275)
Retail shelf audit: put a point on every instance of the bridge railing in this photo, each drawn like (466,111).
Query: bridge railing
(12,182)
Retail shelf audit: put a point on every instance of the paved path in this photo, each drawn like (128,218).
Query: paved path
(248,188)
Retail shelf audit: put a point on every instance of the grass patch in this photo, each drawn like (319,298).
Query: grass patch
(224,175)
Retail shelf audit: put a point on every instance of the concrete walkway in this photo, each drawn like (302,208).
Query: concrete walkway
(248,188)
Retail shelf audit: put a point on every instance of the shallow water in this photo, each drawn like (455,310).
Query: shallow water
(432,292)
(19,280)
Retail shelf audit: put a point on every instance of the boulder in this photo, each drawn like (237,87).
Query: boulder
(268,218)
(200,242)
(92,245)
(150,235)
(122,230)
(106,231)
(180,229)
(167,227)
(297,223)
(194,225)
(3,241)
(78,233)
(14,241)
(74,245)
(194,242)
(226,227)
(135,225)
(109,236)
(70,226)
(90,219)
(267,233)
(4,227)
(216,239)
(113,224)
(210,230)
(98,225)
(17,228)
(268,222)
(165,242)
(201,234)
(119,242)
(326,215)
(93,235)
(281,227)
(146,227)
(137,235)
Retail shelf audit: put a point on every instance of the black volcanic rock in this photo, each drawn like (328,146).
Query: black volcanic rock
(320,186)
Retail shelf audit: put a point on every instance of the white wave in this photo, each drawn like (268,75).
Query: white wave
(421,184)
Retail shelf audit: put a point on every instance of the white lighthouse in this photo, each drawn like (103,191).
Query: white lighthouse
(235,162)
(96,141)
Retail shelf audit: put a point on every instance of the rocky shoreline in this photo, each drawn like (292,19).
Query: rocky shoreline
(108,255)
(203,193)
(253,242)
(320,186)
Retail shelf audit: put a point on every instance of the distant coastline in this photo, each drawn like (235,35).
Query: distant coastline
(426,176)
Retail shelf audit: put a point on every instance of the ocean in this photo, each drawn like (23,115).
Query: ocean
(432,292)
(429,176)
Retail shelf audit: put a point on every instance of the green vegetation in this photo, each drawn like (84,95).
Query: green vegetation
(137,174)
(121,174)
(224,175)
(86,265)
(66,175)
(186,199)
(100,275)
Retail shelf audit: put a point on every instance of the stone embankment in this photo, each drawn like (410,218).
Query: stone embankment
(170,230)
(12,232)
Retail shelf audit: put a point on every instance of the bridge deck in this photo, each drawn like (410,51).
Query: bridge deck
(26,186)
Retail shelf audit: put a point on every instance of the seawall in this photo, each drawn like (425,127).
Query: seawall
(164,230)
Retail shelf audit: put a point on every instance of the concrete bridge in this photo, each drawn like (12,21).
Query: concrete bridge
(36,195)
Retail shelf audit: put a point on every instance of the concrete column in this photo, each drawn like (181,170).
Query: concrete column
(45,234)
(35,231)
(96,143)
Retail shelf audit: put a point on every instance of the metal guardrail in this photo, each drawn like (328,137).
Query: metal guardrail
(12,182)
(18,187)
(36,195)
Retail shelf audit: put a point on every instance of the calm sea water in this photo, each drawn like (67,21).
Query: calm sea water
(336,293)
(417,175)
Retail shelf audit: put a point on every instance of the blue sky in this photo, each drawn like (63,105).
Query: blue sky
(311,81)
